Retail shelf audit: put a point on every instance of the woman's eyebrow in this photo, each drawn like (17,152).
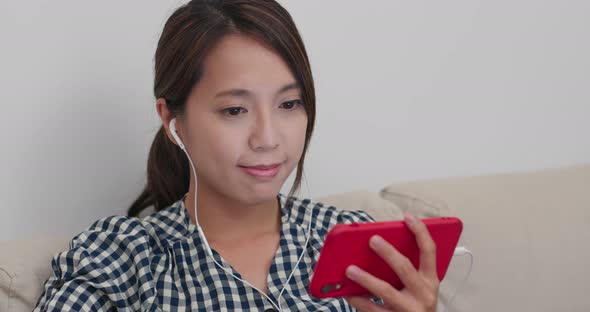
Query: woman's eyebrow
(248,93)
(288,87)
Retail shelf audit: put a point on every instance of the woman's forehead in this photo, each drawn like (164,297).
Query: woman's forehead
(239,61)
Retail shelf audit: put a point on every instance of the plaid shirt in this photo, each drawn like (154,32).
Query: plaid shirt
(159,263)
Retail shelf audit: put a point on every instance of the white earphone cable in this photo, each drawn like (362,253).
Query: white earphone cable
(460,251)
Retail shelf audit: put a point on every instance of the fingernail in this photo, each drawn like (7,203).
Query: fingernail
(376,241)
(352,271)
(409,217)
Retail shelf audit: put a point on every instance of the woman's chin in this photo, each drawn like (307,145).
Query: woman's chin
(260,195)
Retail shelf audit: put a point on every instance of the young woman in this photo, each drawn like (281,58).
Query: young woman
(235,94)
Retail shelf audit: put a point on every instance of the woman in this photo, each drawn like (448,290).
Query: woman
(235,94)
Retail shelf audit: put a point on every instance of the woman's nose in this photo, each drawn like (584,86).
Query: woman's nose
(264,135)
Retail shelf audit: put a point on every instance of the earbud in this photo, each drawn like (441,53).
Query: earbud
(175,134)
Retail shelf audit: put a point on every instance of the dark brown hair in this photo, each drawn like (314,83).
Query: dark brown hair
(187,36)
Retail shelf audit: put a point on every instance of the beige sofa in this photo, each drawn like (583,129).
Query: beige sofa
(529,233)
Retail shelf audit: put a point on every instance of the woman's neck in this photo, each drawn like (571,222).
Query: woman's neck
(225,219)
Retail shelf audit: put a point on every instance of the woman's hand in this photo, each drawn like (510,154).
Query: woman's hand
(420,293)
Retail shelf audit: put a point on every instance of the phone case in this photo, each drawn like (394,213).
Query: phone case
(348,244)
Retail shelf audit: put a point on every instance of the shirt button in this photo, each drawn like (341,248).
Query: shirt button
(58,283)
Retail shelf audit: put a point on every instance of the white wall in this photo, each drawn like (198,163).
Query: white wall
(406,90)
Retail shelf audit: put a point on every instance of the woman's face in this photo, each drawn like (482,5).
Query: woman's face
(245,111)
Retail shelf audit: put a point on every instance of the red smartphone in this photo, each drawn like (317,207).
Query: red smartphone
(348,244)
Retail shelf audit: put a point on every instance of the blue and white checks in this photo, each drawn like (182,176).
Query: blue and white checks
(159,263)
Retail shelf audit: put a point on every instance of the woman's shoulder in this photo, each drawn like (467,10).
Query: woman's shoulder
(111,236)
(166,224)
(109,259)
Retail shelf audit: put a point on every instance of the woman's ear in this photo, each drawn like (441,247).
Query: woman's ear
(166,116)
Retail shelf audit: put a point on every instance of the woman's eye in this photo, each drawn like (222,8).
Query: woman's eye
(291,104)
(232,111)
(235,111)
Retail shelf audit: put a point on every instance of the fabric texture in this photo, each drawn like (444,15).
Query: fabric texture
(159,263)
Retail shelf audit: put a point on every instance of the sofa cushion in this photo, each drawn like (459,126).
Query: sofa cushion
(24,268)
(369,202)
(528,232)
(419,203)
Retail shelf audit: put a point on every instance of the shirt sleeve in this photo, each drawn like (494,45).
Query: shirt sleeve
(100,271)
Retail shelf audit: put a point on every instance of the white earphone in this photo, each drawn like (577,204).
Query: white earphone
(206,243)
(174,134)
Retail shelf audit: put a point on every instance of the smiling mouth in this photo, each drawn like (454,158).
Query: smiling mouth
(262,171)
(262,167)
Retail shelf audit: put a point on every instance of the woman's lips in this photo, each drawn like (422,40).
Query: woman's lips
(262,171)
